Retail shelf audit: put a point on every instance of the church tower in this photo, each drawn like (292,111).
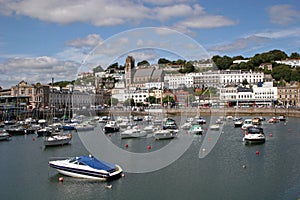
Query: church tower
(129,69)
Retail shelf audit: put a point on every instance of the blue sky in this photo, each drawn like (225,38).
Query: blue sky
(40,39)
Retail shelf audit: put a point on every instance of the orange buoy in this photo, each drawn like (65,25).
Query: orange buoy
(126,145)
(149,147)
(257,152)
(61,179)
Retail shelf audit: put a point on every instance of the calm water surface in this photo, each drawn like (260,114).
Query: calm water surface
(273,174)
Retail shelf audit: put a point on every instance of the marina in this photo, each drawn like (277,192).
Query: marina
(271,167)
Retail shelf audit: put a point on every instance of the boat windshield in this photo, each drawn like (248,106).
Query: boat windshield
(255,130)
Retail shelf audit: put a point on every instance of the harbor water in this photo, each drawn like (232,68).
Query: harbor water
(231,171)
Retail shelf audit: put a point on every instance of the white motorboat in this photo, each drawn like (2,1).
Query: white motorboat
(254,135)
(214,127)
(238,123)
(87,167)
(247,123)
(84,127)
(150,128)
(57,139)
(163,134)
(196,129)
(4,135)
(111,126)
(186,126)
(134,132)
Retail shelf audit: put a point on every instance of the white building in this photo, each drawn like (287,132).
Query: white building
(238,76)
(177,80)
(291,62)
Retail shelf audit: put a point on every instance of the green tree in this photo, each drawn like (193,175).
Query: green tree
(129,102)
(168,99)
(151,99)
(114,101)
(163,61)
(294,55)
(143,63)
(282,72)
(245,82)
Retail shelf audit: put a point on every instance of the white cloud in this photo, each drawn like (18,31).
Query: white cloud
(206,21)
(148,55)
(38,69)
(97,12)
(239,44)
(114,12)
(292,32)
(91,41)
(284,14)
(177,10)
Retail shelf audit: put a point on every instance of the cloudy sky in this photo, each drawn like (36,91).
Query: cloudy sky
(41,39)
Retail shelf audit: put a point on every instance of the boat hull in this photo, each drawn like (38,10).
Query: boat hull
(111,129)
(56,141)
(87,173)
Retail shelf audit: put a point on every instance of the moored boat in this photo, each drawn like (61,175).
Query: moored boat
(57,139)
(254,135)
(134,132)
(4,135)
(87,167)
(164,134)
(196,129)
(111,127)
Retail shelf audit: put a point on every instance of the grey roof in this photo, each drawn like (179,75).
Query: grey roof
(143,72)
(157,73)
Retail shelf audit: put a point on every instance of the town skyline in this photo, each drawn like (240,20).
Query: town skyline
(42,39)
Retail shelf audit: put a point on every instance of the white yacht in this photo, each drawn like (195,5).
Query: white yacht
(165,134)
(254,135)
(111,126)
(87,167)
(134,132)
(247,123)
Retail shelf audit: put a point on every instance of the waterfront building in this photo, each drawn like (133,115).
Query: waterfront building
(238,76)
(174,81)
(206,79)
(289,95)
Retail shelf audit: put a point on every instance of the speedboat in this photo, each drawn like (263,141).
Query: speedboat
(196,129)
(4,135)
(254,135)
(238,123)
(273,120)
(186,126)
(170,124)
(87,167)
(214,127)
(84,127)
(164,134)
(282,118)
(57,139)
(134,132)
(200,120)
(247,123)
(111,126)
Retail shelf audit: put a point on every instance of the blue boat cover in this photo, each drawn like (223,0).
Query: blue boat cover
(95,163)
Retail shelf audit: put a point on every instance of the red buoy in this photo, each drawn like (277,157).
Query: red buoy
(271,135)
(149,147)
(257,152)
(126,145)
(61,179)
(109,135)
(33,139)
